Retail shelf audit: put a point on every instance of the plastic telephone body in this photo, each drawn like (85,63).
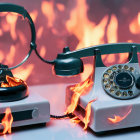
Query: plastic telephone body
(116,89)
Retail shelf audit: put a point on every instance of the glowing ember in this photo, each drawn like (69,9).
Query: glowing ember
(75,120)
(79,89)
(118,119)
(88,113)
(7,121)
(12,81)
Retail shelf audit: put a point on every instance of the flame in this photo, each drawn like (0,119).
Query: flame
(12,81)
(34,15)
(47,10)
(23,72)
(134,26)
(118,119)
(79,89)
(11,55)
(22,37)
(42,51)
(60,7)
(88,69)
(11,20)
(75,120)
(1,32)
(7,121)
(86,119)
(40,32)
(87,32)
(112,30)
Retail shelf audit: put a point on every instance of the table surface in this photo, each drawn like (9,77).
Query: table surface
(63,129)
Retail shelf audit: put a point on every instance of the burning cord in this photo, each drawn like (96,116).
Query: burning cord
(70,115)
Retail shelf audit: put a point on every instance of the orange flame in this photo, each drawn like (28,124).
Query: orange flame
(75,120)
(22,37)
(39,32)
(23,72)
(79,89)
(34,15)
(7,121)
(60,7)
(47,10)
(11,20)
(112,30)
(134,26)
(12,81)
(118,119)
(88,113)
(87,32)
(42,51)
(1,32)
(11,55)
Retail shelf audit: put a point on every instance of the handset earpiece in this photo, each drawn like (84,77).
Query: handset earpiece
(67,66)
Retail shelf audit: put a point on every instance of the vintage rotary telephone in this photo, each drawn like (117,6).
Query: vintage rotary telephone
(116,88)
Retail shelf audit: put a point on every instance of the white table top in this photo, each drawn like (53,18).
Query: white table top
(63,129)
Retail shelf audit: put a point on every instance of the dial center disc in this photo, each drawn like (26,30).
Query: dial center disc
(124,80)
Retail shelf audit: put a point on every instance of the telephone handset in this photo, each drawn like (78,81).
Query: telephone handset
(120,81)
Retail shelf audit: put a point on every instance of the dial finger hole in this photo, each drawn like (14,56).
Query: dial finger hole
(124,93)
(118,93)
(114,68)
(130,93)
(112,90)
(120,66)
(106,75)
(131,69)
(125,67)
(107,86)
